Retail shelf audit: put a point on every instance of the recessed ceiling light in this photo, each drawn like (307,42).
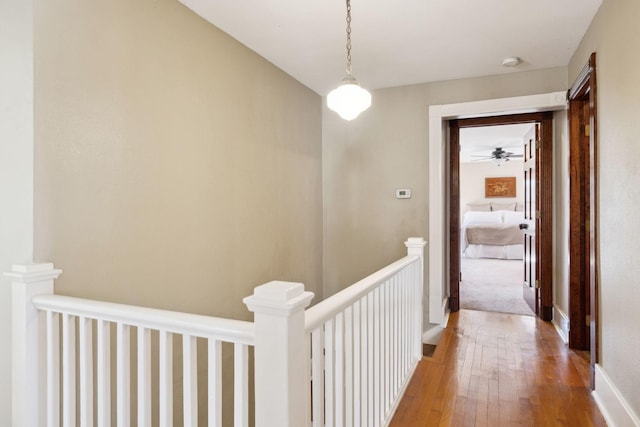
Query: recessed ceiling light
(511,62)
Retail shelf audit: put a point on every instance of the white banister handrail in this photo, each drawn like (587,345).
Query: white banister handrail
(230,330)
(326,309)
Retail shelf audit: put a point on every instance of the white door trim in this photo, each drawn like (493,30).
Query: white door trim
(438,287)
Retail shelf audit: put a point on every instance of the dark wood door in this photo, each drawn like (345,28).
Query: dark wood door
(583,255)
(530,289)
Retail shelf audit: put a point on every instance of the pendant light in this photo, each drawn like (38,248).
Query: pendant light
(349,99)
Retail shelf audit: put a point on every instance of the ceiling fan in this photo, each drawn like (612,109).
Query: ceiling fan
(498,155)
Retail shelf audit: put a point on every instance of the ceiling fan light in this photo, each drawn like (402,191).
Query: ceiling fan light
(349,99)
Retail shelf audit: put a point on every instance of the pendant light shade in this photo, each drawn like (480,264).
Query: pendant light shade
(349,99)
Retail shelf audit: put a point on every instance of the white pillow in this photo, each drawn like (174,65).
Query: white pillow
(479,207)
(513,217)
(503,206)
(474,217)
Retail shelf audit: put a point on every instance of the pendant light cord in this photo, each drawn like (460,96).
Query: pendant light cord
(349,37)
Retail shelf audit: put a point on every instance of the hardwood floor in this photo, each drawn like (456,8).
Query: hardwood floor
(496,369)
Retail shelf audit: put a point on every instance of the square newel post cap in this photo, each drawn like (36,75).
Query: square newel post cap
(415,242)
(33,273)
(278,298)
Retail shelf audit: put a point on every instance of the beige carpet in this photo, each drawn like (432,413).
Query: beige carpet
(493,285)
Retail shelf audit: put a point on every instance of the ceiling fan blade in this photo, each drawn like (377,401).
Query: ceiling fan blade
(515,155)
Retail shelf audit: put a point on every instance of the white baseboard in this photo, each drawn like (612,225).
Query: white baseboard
(561,323)
(432,335)
(614,408)
(434,332)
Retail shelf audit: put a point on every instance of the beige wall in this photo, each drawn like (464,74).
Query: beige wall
(614,35)
(16,167)
(174,167)
(472,180)
(386,148)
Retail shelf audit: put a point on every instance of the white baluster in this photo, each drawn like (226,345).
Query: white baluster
(215,383)
(28,344)
(387,345)
(123,382)
(68,370)
(190,380)
(85,334)
(364,359)
(144,377)
(241,385)
(370,363)
(339,370)
(348,366)
(281,354)
(376,356)
(357,365)
(103,374)
(165,364)
(329,373)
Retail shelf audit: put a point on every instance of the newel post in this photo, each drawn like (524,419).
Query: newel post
(415,246)
(281,354)
(27,343)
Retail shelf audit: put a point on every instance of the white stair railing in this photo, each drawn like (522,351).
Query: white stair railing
(366,342)
(78,327)
(344,362)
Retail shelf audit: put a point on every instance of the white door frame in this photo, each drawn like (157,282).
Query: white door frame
(438,285)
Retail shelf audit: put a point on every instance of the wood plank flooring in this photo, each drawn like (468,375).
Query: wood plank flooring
(496,369)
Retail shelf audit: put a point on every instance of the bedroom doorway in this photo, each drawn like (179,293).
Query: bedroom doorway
(488,256)
(491,245)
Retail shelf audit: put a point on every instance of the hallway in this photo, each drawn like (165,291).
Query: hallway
(495,369)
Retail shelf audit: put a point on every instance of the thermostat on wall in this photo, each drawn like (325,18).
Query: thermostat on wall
(403,193)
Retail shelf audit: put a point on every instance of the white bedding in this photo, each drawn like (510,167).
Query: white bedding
(488,219)
(492,251)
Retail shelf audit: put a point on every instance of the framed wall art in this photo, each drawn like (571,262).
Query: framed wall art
(500,187)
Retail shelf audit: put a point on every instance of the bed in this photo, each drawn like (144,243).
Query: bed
(493,234)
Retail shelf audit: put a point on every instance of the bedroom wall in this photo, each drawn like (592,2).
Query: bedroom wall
(613,35)
(472,176)
(386,148)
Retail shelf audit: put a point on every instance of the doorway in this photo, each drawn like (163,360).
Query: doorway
(491,243)
(540,215)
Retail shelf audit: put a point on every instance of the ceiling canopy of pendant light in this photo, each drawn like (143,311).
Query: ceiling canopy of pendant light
(349,99)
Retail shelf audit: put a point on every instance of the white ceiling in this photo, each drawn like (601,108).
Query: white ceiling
(481,141)
(397,43)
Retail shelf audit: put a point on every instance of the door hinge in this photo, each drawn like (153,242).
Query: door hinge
(587,130)
(537,214)
(537,144)
(588,320)
(537,284)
